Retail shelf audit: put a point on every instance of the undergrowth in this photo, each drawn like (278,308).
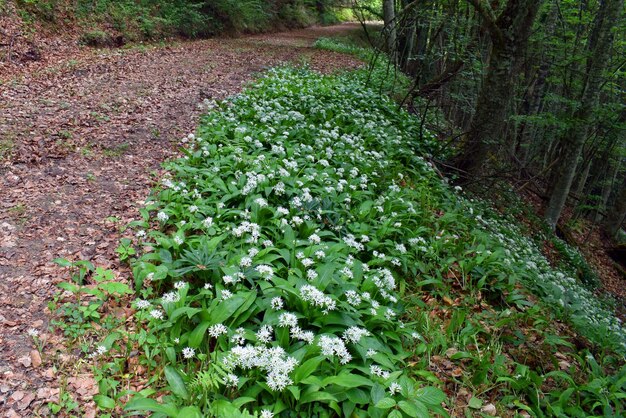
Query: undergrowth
(111,22)
(303,258)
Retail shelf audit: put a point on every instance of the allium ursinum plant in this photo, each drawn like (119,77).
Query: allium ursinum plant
(590,316)
(279,243)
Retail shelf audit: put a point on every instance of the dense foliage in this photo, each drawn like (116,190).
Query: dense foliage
(107,22)
(545,114)
(290,254)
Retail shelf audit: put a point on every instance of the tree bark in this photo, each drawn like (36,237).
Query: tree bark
(509,35)
(607,188)
(599,47)
(617,214)
(389,17)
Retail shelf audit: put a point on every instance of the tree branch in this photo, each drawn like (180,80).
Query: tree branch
(487,14)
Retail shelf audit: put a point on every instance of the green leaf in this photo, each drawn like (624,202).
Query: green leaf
(395,414)
(176,382)
(185,310)
(190,412)
(475,403)
(348,380)
(104,402)
(410,409)
(197,335)
(316,397)
(306,368)
(385,403)
(224,309)
(430,395)
(147,404)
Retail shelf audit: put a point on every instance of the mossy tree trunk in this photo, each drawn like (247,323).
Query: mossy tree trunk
(509,34)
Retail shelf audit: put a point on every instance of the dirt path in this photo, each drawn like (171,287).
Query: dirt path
(82,142)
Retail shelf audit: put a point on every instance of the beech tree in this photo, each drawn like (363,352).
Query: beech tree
(574,139)
(509,34)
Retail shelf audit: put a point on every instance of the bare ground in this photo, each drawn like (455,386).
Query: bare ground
(81,143)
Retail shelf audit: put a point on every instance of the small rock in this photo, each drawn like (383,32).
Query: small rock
(489,409)
(35,358)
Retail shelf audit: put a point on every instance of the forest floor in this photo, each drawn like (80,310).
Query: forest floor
(82,141)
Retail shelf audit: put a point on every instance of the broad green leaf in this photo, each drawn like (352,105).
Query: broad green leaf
(190,412)
(385,403)
(316,397)
(348,380)
(176,382)
(430,395)
(306,368)
(147,404)
(104,402)
(197,335)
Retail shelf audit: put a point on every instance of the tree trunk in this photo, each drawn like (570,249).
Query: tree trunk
(617,214)
(599,47)
(389,17)
(607,188)
(509,35)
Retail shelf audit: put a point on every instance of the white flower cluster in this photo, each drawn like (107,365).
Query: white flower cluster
(273,361)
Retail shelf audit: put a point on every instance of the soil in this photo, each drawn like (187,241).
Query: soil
(82,139)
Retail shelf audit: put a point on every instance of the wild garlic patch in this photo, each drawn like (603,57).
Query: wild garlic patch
(264,252)
(280,247)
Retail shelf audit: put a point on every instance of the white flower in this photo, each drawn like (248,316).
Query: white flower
(354,334)
(142,304)
(261,202)
(371,353)
(178,239)
(267,414)
(311,274)
(171,297)
(226,294)
(162,216)
(394,388)
(217,330)
(266,271)
(316,297)
(193,208)
(33,332)
(277,303)
(334,346)
(141,233)
(180,284)
(245,262)
(156,314)
(207,222)
(287,319)
(315,239)
(231,380)
(188,352)
(401,248)
(265,333)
